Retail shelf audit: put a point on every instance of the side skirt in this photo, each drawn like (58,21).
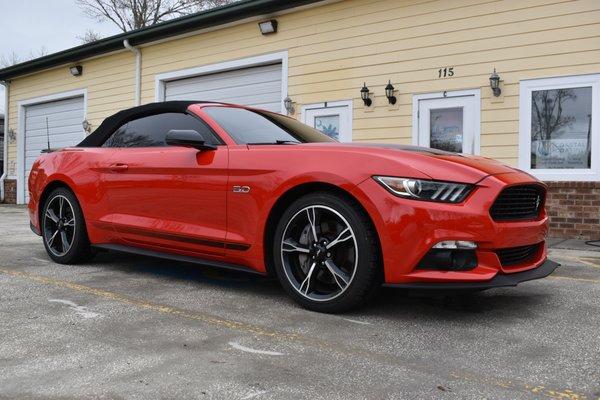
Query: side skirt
(176,257)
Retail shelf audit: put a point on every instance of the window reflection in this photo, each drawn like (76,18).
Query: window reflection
(561,124)
(446,129)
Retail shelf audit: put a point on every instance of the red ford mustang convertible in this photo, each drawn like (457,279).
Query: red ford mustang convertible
(235,187)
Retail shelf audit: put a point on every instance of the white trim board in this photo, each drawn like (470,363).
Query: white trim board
(476,93)
(21,131)
(526,87)
(255,61)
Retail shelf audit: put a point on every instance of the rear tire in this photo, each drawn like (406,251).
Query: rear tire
(63,228)
(326,253)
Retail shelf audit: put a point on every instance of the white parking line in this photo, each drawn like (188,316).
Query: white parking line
(357,321)
(252,395)
(79,310)
(238,346)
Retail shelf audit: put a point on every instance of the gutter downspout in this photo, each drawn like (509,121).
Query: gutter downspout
(138,70)
(5,149)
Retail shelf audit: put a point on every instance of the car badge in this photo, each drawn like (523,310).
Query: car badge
(241,189)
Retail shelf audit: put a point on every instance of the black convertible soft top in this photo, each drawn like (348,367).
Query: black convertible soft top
(110,124)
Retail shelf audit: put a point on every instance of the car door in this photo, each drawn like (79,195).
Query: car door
(166,197)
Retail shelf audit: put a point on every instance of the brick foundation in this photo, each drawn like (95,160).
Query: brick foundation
(10,191)
(574,209)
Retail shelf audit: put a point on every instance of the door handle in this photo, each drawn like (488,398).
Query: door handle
(119,167)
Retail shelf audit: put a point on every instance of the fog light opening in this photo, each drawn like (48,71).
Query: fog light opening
(449,259)
(456,244)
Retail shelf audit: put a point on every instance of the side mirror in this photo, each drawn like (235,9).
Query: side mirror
(188,138)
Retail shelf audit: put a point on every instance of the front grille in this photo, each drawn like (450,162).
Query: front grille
(518,202)
(517,255)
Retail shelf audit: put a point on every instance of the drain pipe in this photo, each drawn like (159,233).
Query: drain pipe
(5,149)
(138,70)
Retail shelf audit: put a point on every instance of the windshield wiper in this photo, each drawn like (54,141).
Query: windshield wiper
(276,142)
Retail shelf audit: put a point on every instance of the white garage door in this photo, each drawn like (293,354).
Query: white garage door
(256,86)
(58,122)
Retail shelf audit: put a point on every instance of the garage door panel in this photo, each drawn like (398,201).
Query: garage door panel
(232,78)
(248,98)
(69,117)
(249,86)
(269,88)
(41,142)
(52,131)
(58,121)
(276,107)
(48,109)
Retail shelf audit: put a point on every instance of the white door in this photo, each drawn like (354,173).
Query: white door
(449,123)
(255,86)
(53,124)
(333,119)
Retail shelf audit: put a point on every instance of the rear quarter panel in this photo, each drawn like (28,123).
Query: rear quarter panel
(81,171)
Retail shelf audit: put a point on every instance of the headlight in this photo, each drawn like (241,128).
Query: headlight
(446,192)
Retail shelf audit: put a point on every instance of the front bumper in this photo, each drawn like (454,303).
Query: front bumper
(500,280)
(408,229)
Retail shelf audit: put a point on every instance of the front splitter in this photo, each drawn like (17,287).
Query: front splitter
(500,280)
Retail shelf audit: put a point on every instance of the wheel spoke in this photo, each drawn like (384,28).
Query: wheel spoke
(61,202)
(64,240)
(312,220)
(338,274)
(291,246)
(52,215)
(306,280)
(70,222)
(51,240)
(346,234)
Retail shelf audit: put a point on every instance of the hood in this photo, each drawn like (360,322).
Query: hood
(437,164)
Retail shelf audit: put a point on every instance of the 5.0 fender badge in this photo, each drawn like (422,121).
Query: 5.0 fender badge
(241,189)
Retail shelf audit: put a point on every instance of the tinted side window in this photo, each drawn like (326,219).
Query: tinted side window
(151,131)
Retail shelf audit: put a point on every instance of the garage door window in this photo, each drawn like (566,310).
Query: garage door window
(559,130)
(151,131)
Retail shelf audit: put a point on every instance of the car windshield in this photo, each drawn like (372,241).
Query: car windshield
(263,127)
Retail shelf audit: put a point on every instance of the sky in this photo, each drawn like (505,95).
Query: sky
(29,25)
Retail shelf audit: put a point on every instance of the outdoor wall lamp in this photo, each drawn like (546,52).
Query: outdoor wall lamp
(495,83)
(267,27)
(364,95)
(289,105)
(389,93)
(87,127)
(76,70)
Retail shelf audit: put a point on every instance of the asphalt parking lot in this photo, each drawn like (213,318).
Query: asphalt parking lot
(139,328)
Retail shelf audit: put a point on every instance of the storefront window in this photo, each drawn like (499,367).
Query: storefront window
(559,136)
(561,128)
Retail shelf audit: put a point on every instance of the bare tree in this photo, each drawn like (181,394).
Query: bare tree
(135,14)
(13,58)
(547,114)
(9,59)
(89,36)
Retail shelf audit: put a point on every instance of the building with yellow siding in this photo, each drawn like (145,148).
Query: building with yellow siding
(539,112)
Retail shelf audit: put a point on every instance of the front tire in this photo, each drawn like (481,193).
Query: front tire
(63,228)
(326,253)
